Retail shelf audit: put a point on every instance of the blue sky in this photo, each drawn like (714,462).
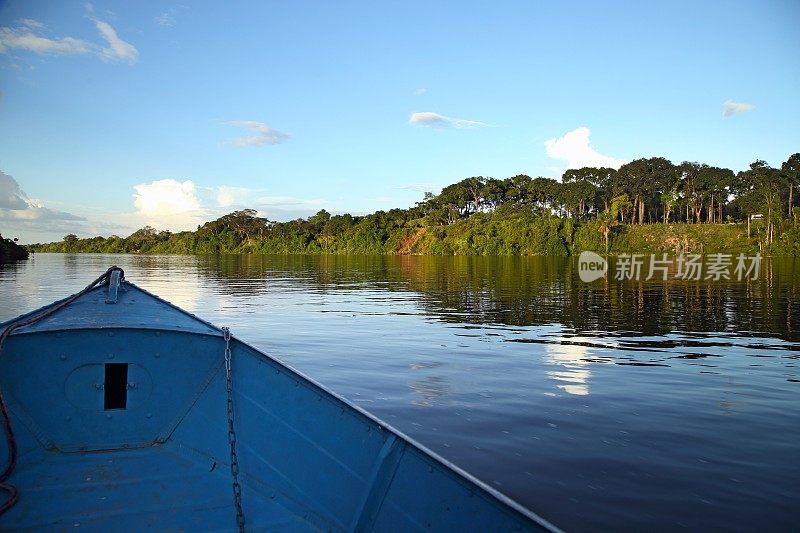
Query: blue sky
(118,114)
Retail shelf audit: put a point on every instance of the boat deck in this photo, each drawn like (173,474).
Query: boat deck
(134,490)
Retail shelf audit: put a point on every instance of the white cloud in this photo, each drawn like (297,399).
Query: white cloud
(24,38)
(11,196)
(166,197)
(29,37)
(27,218)
(574,148)
(166,204)
(229,196)
(420,187)
(284,201)
(168,18)
(435,120)
(117,49)
(730,108)
(264,135)
(165,19)
(420,91)
(32,24)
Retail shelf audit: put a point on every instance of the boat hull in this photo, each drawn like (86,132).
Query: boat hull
(309,459)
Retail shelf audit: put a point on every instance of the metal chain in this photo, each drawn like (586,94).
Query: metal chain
(237,488)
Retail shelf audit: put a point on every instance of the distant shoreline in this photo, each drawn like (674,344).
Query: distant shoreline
(480,235)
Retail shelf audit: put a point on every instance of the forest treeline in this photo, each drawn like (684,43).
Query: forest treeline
(647,205)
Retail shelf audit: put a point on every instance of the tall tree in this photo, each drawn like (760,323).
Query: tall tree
(688,188)
(715,184)
(791,171)
(763,183)
(645,181)
(601,178)
(474,187)
(494,192)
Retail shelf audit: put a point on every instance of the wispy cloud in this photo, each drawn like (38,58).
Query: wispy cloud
(32,24)
(232,196)
(420,187)
(420,91)
(168,18)
(116,49)
(25,38)
(288,201)
(574,148)
(730,108)
(430,119)
(264,135)
(30,36)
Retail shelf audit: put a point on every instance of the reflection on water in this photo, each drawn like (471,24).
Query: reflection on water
(643,405)
(573,373)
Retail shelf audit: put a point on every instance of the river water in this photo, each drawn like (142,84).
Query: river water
(658,405)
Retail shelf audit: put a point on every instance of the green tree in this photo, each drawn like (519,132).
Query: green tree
(791,171)
(693,197)
(70,242)
(760,187)
(645,180)
(715,184)
(602,178)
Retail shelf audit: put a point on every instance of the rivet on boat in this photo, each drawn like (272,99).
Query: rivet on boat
(111,356)
(63,357)
(149,415)
(108,416)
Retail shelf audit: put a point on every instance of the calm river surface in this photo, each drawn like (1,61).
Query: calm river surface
(648,405)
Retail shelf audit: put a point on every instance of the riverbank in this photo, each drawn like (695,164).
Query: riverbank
(486,234)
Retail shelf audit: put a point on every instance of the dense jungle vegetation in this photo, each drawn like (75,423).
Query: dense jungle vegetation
(648,205)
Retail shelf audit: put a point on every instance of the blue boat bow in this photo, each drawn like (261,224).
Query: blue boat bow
(129,413)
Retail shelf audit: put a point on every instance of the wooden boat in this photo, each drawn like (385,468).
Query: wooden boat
(127,413)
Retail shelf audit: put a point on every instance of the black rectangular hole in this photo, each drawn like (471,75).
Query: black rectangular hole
(116,386)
